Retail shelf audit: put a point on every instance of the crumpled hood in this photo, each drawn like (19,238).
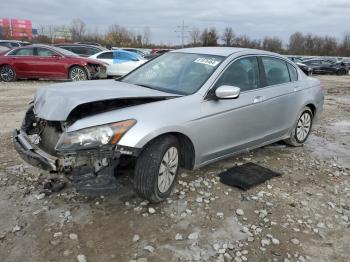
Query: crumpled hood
(55,102)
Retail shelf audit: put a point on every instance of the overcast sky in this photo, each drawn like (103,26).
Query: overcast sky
(256,18)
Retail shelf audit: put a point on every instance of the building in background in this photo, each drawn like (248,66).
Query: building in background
(16,29)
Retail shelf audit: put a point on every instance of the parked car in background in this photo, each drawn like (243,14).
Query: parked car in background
(320,66)
(82,49)
(88,43)
(120,62)
(151,56)
(166,114)
(48,62)
(160,51)
(135,50)
(13,43)
(305,68)
(345,63)
(4,49)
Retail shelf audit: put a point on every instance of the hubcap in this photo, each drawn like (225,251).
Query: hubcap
(167,169)
(7,73)
(303,127)
(78,74)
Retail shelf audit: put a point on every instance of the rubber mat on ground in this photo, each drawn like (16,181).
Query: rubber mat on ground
(246,176)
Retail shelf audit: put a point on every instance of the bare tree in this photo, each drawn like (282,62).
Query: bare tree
(297,43)
(228,36)
(273,44)
(78,29)
(345,45)
(146,36)
(195,36)
(330,46)
(247,42)
(209,37)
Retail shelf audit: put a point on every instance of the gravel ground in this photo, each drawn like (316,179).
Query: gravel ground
(302,216)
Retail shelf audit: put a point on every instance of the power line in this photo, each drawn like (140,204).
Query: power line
(182,30)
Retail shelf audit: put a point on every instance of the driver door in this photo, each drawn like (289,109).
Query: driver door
(231,125)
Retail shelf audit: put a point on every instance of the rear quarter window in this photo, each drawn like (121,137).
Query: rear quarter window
(292,72)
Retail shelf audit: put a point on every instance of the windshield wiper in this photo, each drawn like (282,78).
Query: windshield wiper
(146,86)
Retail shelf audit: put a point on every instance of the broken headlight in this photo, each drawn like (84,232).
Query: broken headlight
(94,137)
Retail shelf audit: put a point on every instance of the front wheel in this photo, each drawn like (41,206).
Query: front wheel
(77,73)
(302,129)
(156,169)
(7,73)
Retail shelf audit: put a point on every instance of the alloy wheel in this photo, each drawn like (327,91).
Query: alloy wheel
(303,126)
(168,169)
(7,74)
(78,74)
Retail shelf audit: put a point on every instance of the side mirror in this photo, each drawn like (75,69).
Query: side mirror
(227,92)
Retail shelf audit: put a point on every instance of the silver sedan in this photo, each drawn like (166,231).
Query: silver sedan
(187,108)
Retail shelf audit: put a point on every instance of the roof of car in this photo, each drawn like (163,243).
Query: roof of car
(36,45)
(14,41)
(220,51)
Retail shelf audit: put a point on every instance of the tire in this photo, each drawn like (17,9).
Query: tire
(7,73)
(149,182)
(302,128)
(341,72)
(77,73)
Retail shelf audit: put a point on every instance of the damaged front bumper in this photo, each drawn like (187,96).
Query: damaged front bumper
(96,71)
(94,176)
(95,160)
(33,154)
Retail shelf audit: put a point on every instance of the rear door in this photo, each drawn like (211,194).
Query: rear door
(125,62)
(23,60)
(280,101)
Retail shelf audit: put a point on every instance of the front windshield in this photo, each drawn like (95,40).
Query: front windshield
(179,73)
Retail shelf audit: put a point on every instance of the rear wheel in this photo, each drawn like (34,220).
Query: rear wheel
(7,73)
(341,72)
(156,169)
(302,129)
(77,73)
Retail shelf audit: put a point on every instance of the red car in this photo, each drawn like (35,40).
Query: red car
(42,61)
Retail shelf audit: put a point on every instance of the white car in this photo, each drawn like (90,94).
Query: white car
(119,62)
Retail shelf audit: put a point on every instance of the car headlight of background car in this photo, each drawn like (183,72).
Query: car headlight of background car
(94,137)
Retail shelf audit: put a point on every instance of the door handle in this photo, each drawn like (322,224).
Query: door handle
(258,99)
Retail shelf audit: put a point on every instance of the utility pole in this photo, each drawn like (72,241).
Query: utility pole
(182,30)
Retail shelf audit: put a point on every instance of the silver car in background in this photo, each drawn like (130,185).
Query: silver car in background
(186,108)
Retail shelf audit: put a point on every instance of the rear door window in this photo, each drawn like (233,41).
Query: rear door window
(79,50)
(243,73)
(276,71)
(43,52)
(91,51)
(124,56)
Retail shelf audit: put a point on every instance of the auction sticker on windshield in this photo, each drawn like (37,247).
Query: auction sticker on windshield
(207,61)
